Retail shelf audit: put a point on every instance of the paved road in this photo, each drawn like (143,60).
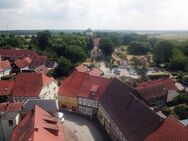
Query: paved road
(81,128)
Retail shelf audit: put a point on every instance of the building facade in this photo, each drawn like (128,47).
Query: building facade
(87,106)
(34,86)
(9,119)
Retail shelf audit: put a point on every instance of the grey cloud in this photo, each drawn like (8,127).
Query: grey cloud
(10,4)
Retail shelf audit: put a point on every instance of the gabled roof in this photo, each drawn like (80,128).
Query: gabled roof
(70,85)
(10,107)
(6,87)
(30,84)
(96,72)
(17,53)
(170,130)
(49,105)
(80,84)
(4,65)
(38,125)
(22,63)
(132,116)
(81,68)
(167,83)
(38,61)
(152,91)
(41,69)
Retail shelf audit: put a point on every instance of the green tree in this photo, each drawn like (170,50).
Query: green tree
(163,52)
(185,81)
(180,99)
(75,54)
(107,46)
(43,38)
(90,43)
(64,67)
(181,111)
(179,61)
(138,48)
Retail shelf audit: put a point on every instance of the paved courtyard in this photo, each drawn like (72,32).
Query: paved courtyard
(81,128)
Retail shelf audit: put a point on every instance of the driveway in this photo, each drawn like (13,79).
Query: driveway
(81,128)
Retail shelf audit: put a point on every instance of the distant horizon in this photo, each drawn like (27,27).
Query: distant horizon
(144,15)
(150,30)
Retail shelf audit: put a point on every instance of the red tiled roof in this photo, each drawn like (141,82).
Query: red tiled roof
(10,107)
(80,84)
(102,83)
(38,61)
(41,69)
(6,87)
(152,91)
(70,85)
(17,53)
(35,127)
(22,63)
(96,72)
(170,130)
(167,83)
(81,68)
(4,64)
(30,84)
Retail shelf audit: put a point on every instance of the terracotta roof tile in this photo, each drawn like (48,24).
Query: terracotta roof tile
(167,83)
(4,65)
(170,130)
(17,53)
(80,84)
(70,85)
(30,84)
(149,92)
(38,61)
(22,63)
(41,69)
(6,87)
(34,127)
(10,107)
(96,72)
(81,68)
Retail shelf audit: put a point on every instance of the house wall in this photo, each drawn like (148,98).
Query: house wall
(5,128)
(104,118)
(26,68)
(49,91)
(87,106)
(23,98)
(109,125)
(158,101)
(5,72)
(171,95)
(69,103)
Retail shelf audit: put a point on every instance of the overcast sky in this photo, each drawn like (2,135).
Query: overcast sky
(96,14)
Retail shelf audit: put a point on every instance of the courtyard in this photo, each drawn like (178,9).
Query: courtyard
(81,128)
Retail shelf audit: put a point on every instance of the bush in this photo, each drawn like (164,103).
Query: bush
(181,111)
(185,79)
(167,111)
(180,99)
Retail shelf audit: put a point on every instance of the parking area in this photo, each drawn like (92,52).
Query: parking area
(81,128)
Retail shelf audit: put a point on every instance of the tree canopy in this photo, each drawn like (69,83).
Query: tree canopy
(107,46)
(163,52)
(138,48)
